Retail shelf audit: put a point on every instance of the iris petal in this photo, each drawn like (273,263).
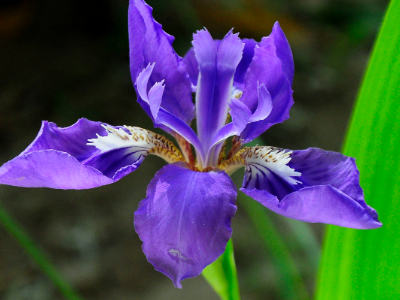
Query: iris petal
(192,67)
(185,221)
(52,169)
(283,50)
(326,189)
(241,70)
(85,155)
(242,115)
(271,67)
(320,167)
(54,159)
(217,67)
(160,115)
(319,204)
(71,140)
(148,43)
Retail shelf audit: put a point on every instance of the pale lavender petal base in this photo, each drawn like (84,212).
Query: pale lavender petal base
(329,191)
(185,221)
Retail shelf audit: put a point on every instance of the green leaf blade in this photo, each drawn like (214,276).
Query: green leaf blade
(364,264)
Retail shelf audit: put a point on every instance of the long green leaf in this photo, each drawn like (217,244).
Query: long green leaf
(365,264)
(37,255)
(222,275)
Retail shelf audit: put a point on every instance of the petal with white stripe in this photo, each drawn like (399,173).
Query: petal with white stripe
(123,149)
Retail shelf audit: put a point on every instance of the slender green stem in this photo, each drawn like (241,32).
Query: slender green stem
(37,255)
(222,275)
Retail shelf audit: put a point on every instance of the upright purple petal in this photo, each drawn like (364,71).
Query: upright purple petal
(283,50)
(312,185)
(185,221)
(241,70)
(148,43)
(272,65)
(161,117)
(192,67)
(217,67)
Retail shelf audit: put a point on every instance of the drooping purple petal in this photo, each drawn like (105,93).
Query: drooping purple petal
(71,139)
(327,191)
(148,43)
(321,167)
(319,204)
(119,162)
(52,169)
(217,67)
(54,159)
(82,156)
(123,150)
(272,67)
(185,221)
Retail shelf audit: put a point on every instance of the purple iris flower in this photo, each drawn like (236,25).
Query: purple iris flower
(242,87)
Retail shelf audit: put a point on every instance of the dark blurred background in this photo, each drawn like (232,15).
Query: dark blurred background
(63,60)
